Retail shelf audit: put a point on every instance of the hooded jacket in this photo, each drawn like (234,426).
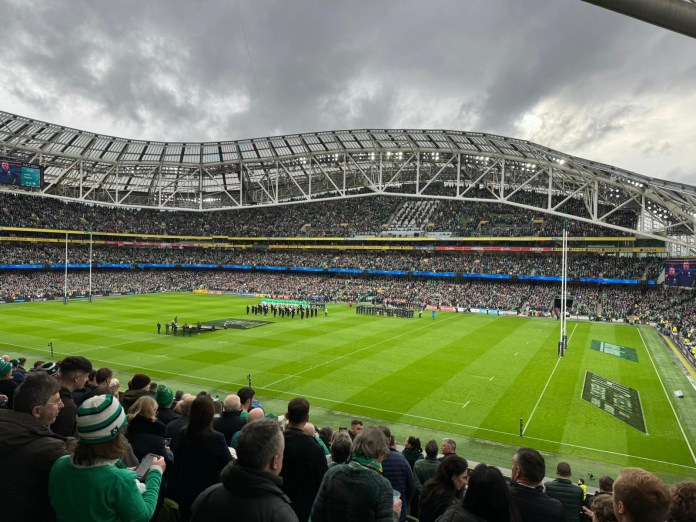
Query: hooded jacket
(28,450)
(245,495)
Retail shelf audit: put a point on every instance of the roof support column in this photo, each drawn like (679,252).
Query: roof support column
(417,172)
(459,172)
(595,199)
(200,188)
(502,178)
(380,169)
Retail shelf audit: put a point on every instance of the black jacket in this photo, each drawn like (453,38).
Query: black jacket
(167,415)
(437,503)
(304,465)
(66,422)
(28,450)
(147,436)
(457,513)
(568,494)
(229,423)
(197,466)
(130,396)
(536,506)
(245,495)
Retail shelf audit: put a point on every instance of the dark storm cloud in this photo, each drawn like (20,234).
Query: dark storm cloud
(562,72)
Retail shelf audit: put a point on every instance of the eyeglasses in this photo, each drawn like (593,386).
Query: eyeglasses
(59,402)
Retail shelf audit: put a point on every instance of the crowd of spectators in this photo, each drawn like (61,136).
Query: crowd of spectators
(361,215)
(534,264)
(488,218)
(611,302)
(72,434)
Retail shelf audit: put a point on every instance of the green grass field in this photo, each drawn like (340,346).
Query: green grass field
(468,376)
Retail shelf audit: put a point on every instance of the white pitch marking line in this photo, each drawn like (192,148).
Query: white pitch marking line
(546,386)
(676,417)
(294,393)
(482,377)
(463,405)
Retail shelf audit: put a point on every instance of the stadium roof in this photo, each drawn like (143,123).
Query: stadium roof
(440,164)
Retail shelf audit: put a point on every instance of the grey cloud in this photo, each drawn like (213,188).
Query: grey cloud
(180,70)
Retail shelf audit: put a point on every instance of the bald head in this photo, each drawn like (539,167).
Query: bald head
(309,429)
(232,403)
(183,407)
(256,414)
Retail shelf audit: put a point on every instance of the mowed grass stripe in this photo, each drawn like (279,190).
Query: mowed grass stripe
(517,352)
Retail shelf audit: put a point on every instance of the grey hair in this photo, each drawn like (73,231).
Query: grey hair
(259,441)
(451,444)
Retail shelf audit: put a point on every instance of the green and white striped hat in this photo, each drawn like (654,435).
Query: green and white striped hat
(100,419)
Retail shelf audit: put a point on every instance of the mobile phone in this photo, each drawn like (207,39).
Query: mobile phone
(144,466)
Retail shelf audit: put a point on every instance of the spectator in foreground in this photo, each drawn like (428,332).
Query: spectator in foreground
(7,384)
(606,487)
(230,421)
(444,489)
(412,450)
(304,462)
(74,372)
(28,448)
(683,507)
(341,446)
(165,399)
(640,496)
(175,427)
(145,433)
(139,386)
(567,493)
(250,489)
(528,470)
(397,470)
(357,490)
(449,447)
(603,510)
(487,498)
(93,484)
(200,453)
(356,426)
(423,471)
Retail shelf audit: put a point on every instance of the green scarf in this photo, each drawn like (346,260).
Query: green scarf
(366,462)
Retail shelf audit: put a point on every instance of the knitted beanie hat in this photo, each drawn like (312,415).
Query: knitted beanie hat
(139,381)
(5,367)
(50,368)
(164,396)
(100,419)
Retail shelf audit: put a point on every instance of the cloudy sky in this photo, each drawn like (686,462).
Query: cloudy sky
(562,73)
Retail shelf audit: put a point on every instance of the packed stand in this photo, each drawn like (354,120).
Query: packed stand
(533,264)
(361,215)
(80,449)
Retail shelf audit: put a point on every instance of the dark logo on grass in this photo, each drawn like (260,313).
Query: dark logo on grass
(237,324)
(614,349)
(616,399)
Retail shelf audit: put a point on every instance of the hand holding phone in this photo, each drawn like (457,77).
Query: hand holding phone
(148,460)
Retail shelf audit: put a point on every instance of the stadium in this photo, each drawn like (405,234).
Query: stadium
(444,283)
